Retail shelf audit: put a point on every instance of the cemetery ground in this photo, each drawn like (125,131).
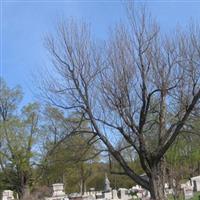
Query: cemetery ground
(196,197)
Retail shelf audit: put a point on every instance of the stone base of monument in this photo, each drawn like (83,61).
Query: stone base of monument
(114,195)
(64,197)
(124,194)
(58,192)
(107,195)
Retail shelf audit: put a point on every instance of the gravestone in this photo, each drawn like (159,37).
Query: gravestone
(92,192)
(58,192)
(114,194)
(7,195)
(188,192)
(108,195)
(99,195)
(124,194)
(196,183)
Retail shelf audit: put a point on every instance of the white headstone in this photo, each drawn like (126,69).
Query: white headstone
(114,193)
(188,192)
(92,192)
(7,195)
(124,194)
(196,183)
(58,190)
(108,195)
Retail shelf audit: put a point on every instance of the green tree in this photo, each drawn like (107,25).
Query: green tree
(18,132)
(68,154)
(183,158)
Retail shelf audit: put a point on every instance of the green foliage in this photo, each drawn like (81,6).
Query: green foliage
(70,163)
(18,132)
(184,155)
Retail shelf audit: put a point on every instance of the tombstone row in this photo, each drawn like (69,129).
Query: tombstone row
(191,186)
(111,194)
(108,194)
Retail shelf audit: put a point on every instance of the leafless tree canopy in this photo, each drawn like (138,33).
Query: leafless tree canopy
(142,86)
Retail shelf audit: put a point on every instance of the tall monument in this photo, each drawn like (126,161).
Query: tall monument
(107,187)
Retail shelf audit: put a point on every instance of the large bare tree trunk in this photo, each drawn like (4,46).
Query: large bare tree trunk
(25,192)
(157,182)
(24,188)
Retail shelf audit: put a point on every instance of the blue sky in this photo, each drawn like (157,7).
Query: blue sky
(24,24)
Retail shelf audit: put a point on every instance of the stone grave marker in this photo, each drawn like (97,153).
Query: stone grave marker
(188,192)
(7,195)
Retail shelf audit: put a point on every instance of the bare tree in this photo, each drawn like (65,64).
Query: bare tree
(141,87)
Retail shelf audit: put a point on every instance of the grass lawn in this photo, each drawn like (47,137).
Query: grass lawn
(196,197)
